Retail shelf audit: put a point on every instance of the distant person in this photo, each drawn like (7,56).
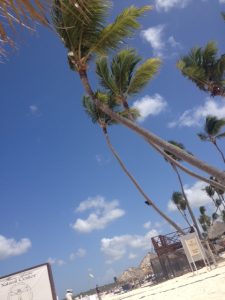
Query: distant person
(98,292)
(69,294)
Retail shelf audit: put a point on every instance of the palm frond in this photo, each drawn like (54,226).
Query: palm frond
(79,33)
(179,145)
(213,125)
(122,68)
(123,26)
(143,75)
(20,12)
(203,137)
(104,75)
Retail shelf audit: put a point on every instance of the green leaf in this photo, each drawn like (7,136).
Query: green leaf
(143,75)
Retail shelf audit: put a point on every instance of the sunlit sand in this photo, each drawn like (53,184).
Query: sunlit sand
(204,285)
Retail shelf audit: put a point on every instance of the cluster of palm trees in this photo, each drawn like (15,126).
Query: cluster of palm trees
(83,28)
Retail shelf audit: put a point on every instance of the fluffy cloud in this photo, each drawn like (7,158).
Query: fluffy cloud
(222,1)
(169,4)
(162,46)
(11,247)
(195,116)
(147,225)
(195,194)
(117,247)
(102,214)
(78,254)
(150,105)
(154,36)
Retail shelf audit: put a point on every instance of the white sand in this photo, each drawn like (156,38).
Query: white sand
(205,285)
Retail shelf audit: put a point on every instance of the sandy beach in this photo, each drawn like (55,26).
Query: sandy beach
(207,284)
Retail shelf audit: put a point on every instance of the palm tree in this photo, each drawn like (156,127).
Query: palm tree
(103,120)
(181,204)
(212,132)
(204,219)
(125,78)
(19,12)
(179,145)
(203,67)
(85,38)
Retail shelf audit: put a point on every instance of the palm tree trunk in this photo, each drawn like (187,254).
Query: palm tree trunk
(219,150)
(187,202)
(186,170)
(148,200)
(220,175)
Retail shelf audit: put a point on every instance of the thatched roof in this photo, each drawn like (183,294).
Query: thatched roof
(216,230)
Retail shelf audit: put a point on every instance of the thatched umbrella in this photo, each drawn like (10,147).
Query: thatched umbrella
(216,230)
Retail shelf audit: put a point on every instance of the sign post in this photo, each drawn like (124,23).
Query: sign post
(31,284)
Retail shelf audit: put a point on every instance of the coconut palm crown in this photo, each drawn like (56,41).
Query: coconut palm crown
(212,132)
(203,67)
(124,77)
(85,36)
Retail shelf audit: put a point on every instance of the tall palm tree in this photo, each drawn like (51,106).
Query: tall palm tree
(204,219)
(181,204)
(103,120)
(179,145)
(20,12)
(205,69)
(212,132)
(85,38)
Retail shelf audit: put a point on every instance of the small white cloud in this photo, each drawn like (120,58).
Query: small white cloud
(147,225)
(173,43)
(55,261)
(197,115)
(78,254)
(195,195)
(117,247)
(11,247)
(154,36)
(150,105)
(34,110)
(132,256)
(222,1)
(166,5)
(103,213)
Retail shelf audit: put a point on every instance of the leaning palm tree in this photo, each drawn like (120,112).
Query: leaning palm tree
(19,12)
(212,132)
(84,38)
(205,69)
(103,120)
(179,145)
(181,204)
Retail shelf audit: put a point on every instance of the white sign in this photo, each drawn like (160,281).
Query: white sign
(192,247)
(31,284)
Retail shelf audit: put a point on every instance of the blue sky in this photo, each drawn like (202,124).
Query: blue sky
(64,199)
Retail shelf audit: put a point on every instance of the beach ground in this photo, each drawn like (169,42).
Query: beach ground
(207,285)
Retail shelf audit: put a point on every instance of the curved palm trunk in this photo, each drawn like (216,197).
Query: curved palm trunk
(148,200)
(219,150)
(187,202)
(183,155)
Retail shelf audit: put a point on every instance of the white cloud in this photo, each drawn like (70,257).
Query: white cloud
(132,256)
(150,105)
(161,46)
(196,116)
(222,1)
(54,261)
(195,194)
(103,213)
(78,254)
(154,35)
(147,225)
(117,247)
(34,110)
(169,4)
(11,247)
